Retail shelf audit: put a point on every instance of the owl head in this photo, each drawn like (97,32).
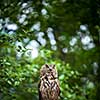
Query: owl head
(48,70)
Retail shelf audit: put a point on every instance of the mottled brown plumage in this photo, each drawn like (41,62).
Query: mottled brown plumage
(49,84)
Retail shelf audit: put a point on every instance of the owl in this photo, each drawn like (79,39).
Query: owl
(49,85)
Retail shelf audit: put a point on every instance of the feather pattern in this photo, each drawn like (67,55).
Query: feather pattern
(49,84)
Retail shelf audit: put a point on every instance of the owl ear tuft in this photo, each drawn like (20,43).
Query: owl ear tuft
(53,66)
(47,65)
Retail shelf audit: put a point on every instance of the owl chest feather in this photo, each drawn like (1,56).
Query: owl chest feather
(49,89)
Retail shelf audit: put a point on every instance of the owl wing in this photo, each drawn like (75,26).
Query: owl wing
(42,91)
(40,96)
(58,89)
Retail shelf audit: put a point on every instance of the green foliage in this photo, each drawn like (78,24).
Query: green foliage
(19,80)
(78,62)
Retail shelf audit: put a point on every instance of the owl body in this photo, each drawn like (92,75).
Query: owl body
(49,84)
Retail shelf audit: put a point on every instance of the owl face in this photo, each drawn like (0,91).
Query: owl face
(48,70)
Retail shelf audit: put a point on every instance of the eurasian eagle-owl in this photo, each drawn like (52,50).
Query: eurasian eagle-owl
(49,85)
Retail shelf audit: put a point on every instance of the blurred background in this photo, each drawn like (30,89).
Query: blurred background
(61,32)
